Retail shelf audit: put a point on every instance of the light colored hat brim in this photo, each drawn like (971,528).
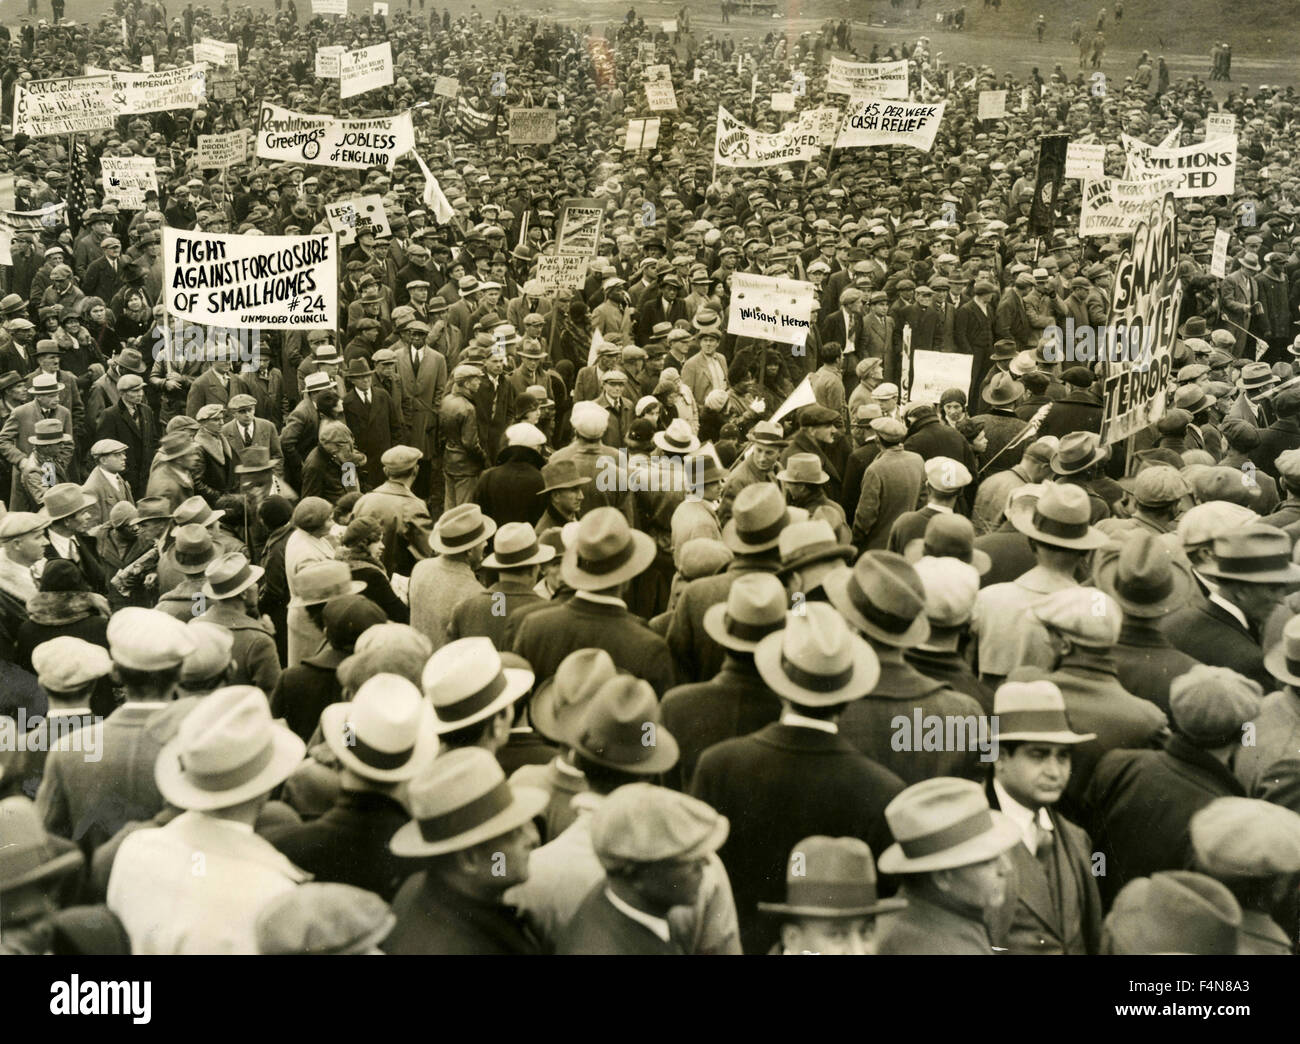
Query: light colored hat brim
(572,483)
(643,554)
(518,682)
(354,587)
(1275,664)
(979,560)
(731,538)
(1022,517)
(1003,836)
(255,573)
(784,476)
(179,791)
(333,721)
(1288,575)
(837,589)
(833,912)
(527,802)
(659,438)
(716,628)
(866,672)
(489,531)
(840,552)
(1065,738)
(543,555)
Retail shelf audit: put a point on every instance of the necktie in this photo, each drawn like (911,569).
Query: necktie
(365,398)
(415,358)
(1045,840)
(248,436)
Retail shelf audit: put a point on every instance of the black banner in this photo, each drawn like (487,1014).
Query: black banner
(1047,187)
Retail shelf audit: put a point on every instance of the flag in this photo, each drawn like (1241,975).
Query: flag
(472,122)
(77,198)
(433,195)
(801,396)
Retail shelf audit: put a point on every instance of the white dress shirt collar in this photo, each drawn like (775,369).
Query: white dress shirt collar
(1024,818)
(656,924)
(796,719)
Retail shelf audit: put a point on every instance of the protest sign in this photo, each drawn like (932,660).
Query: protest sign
(334,7)
(782,101)
(350,217)
(1111,207)
(531,126)
(698,75)
(297,137)
(660,96)
(736,145)
(63,105)
(222,85)
(642,134)
(561,271)
(128,178)
(670,25)
(645,52)
(365,69)
(220,151)
(379,8)
(880,79)
(231,281)
(992,105)
(770,307)
(1085,161)
(217,52)
(578,230)
(654,73)
(446,87)
(1144,307)
(1220,125)
(875,121)
(433,197)
(7,191)
(933,373)
(159,91)
(823,124)
(1048,182)
(1219,257)
(1206,168)
(146,62)
(802,396)
(327,61)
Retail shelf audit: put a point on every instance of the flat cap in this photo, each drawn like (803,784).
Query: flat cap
(323,918)
(1084,615)
(241,401)
(209,411)
(66,664)
(147,640)
(465,372)
(1159,485)
(945,475)
(20,523)
(311,513)
(1245,837)
(397,459)
(951,586)
(213,647)
(1209,705)
(889,429)
(106,446)
(1206,522)
(589,419)
(642,823)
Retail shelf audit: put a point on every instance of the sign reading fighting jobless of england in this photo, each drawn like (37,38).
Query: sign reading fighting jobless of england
(365,69)
(128,178)
(220,151)
(297,137)
(288,282)
(1208,168)
(350,217)
(876,121)
(531,126)
(660,96)
(63,105)
(578,230)
(881,79)
(1144,317)
(561,271)
(737,145)
(770,307)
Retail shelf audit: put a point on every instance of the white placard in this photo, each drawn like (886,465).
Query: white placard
(880,79)
(63,105)
(782,101)
(736,145)
(880,121)
(1112,207)
(933,373)
(769,307)
(1206,168)
(1220,125)
(220,151)
(379,8)
(1085,162)
(217,52)
(296,137)
(658,72)
(365,69)
(642,134)
(992,105)
(159,91)
(670,25)
(146,62)
(350,217)
(128,178)
(660,96)
(327,61)
(329,7)
(561,271)
(446,87)
(531,126)
(1219,256)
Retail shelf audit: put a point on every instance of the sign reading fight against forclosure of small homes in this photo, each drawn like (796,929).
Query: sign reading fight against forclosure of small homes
(880,79)
(578,232)
(232,281)
(219,151)
(878,121)
(1208,168)
(770,307)
(1143,311)
(297,137)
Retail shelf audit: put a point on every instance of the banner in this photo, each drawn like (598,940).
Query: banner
(642,134)
(327,61)
(1143,315)
(736,145)
(1220,125)
(350,217)
(561,271)
(297,137)
(223,150)
(933,373)
(1085,162)
(334,7)
(233,281)
(217,52)
(660,96)
(578,229)
(880,79)
(159,91)
(1111,207)
(874,121)
(128,178)
(1048,185)
(446,87)
(63,105)
(365,69)
(472,122)
(1208,168)
(770,307)
(1219,256)
(531,126)
(992,105)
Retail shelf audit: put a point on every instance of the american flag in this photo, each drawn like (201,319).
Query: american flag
(77,198)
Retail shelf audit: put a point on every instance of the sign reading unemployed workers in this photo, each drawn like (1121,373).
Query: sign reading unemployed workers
(770,307)
(876,121)
(128,178)
(738,145)
(350,217)
(365,69)
(232,281)
(297,137)
(220,151)
(579,227)
(1208,168)
(1143,321)
(531,126)
(881,79)
(63,106)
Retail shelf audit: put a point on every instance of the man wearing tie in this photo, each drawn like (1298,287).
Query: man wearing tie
(423,374)
(373,419)
(247,429)
(105,482)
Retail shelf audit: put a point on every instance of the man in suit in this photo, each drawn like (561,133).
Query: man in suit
(844,326)
(663,307)
(517,558)
(20,425)
(973,332)
(1012,318)
(373,418)
(891,486)
(797,776)
(130,422)
(103,277)
(104,392)
(1239,299)
(245,429)
(106,482)
(230,593)
(72,514)
(302,428)
(1282,435)
(706,371)
(216,385)
(422,373)
(1054,907)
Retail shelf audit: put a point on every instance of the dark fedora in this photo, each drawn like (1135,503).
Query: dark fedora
(613,730)
(1143,576)
(194,548)
(1077,452)
(358,368)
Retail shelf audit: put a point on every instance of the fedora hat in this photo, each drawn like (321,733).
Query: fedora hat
(175,445)
(883,598)
(1173,911)
(151,508)
(516,546)
(45,383)
(758,514)
(65,500)
(1256,375)
(1060,516)
(195,511)
(1253,554)
(612,731)
(1002,390)
(806,542)
(229,575)
(227,751)
(815,660)
(1143,576)
(606,551)
(805,468)
(831,877)
(358,368)
(254,459)
(320,582)
(462,528)
(1033,711)
(562,474)
(1283,660)
(755,607)
(1250,262)
(949,536)
(467,683)
(27,853)
(566,694)
(768,433)
(942,824)
(676,438)
(48,432)
(1003,350)
(193,549)
(459,800)
(385,732)
(1194,327)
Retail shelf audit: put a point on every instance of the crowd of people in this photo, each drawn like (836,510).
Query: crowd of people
(508,618)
